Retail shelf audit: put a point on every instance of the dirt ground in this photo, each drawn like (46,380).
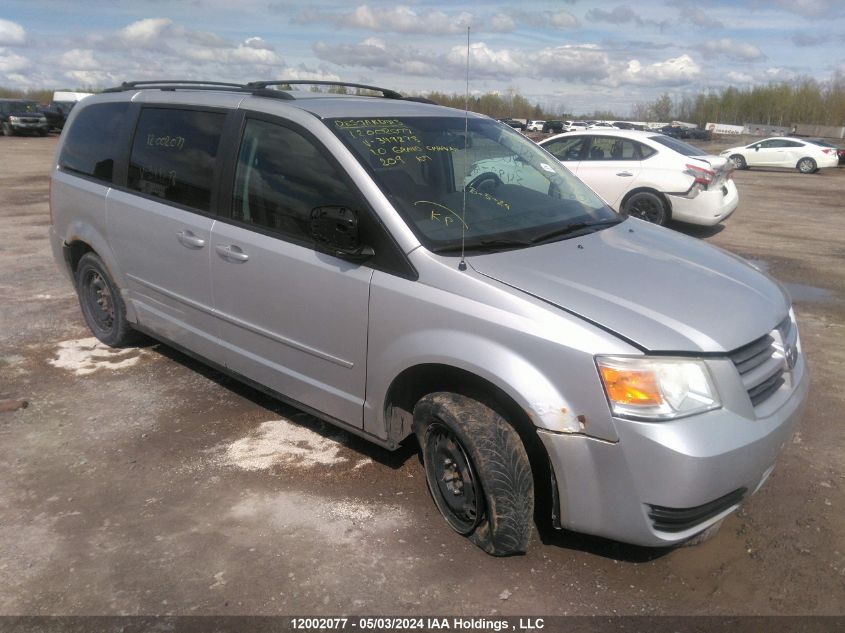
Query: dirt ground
(140,482)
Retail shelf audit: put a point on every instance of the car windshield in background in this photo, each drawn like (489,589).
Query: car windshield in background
(516,195)
(679,146)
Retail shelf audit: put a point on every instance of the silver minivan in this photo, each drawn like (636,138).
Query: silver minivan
(358,257)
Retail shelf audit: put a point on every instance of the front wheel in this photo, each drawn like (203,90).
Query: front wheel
(807,165)
(648,206)
(477,471)
(739,161)
(8,130)
(101,303)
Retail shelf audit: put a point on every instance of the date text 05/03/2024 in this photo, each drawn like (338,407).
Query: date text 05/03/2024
(416,624)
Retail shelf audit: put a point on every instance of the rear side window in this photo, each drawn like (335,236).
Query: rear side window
(566,148)
(679,146)
(91,144)
(174,153)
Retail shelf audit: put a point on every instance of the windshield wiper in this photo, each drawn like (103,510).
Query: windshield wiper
(574,228)
(484,245)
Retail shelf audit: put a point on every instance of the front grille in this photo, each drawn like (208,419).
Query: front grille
(761,363)
(679,519)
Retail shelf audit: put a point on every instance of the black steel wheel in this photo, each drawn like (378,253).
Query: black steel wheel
(101,303)
(477,471)
(458,493)
(648,206)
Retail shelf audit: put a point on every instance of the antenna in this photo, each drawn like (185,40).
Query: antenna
(463,264)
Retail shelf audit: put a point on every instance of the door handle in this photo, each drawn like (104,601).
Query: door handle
(187,238)
(232,253)
(624,173)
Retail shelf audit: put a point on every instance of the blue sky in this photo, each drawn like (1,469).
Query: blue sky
(577,55)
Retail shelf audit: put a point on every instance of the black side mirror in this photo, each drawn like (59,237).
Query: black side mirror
(337,228)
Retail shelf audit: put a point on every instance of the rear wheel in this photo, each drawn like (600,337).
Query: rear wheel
(807,165)
(648,206)
(101,303)
(477,471)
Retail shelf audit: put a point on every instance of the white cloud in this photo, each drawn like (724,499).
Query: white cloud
(145,32)
(546,19)
(397,19)
(561,19)
(807,8)
(79,59)
(485,61)
(734,49)
(739,78)
(258,43)
(304,73)
(672,72)
(11,62)
(502,23)
(11,33)
(572,63)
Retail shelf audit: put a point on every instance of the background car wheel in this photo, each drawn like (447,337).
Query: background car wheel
(704,535)
(101,303)
(647,206)
(807,165)
(739,161)
(7,130)
(477,471)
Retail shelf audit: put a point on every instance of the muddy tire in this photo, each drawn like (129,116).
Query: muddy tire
(477,470)
(703,536)
(101,303)
(648,206)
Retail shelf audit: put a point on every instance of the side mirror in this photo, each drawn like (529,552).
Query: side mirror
(337,228)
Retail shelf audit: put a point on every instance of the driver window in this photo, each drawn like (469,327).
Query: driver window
(281,176)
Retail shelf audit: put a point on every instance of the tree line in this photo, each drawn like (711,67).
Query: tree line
(783,104)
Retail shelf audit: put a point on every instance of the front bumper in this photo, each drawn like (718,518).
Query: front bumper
(696,469)
(27,126)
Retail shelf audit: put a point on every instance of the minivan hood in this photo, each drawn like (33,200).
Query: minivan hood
(657,288)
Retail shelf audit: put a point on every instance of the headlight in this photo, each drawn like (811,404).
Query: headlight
(654,388)
(14,119)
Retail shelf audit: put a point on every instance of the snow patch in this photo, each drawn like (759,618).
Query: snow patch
(283,443)
(87,355)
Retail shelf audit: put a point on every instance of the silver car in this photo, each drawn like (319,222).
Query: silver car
(348,255)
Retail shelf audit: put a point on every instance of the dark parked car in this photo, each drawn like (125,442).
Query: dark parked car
(56,114)
(680,131)
(553,126)
(517,125)
(21,115)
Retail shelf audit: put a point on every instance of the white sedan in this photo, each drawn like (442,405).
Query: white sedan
(791,153)
(649,175)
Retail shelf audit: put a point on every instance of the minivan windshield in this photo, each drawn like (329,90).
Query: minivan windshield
(490,186)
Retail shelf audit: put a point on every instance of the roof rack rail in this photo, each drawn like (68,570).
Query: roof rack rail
(262,85)
(259,88)
(170,83)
